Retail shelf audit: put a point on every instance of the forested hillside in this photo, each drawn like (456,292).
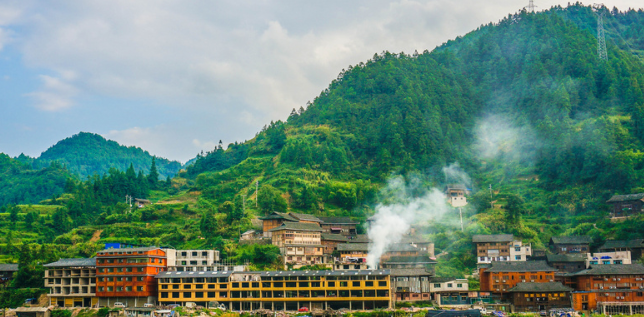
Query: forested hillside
(19,183)
(524,106)
(86,154)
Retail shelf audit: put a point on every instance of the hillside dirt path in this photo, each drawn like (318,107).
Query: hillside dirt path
(96,236)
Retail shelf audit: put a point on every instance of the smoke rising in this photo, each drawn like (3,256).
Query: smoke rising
(499,137)
(407,203)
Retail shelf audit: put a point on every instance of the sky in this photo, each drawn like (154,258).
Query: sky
(175,77)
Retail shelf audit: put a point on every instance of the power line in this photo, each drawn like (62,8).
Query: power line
(601,37)
(530,6)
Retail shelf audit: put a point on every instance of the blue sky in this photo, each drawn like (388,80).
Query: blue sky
(175,77)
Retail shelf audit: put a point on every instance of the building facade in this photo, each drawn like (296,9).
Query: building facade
(339,225)
(607,258)
(609,286)
(535,297)
(6,273)
(411,284)
(191,260)
(492,247)
(127,275)
(300,243)
(570,244)
(279,290)
(502,276)
(71,282)
(626,205)
(567,262)
(635,246)
(450,291)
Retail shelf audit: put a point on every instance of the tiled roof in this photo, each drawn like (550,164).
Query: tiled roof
(528,266)
(540,287)
(297,226)
(565,258)
(360,238)
(613,269)
(444,279)
(73,263)
(304,217)
(353,247)
(8,267)
(333,237)
(410,272)
(323,273)
(279,215)
(338,220)
(195,274)
(402,247)
(409,259)
(128,249)
(479,238)
(622,244)
(571,240)
(620,198)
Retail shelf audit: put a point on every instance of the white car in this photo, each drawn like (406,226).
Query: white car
(148,305)
(119,305)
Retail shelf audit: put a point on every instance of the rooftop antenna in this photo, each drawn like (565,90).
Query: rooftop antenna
(530,6)
(601,38)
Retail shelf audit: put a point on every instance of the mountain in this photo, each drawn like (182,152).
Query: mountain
(19,183)
(86,154)
(524,106)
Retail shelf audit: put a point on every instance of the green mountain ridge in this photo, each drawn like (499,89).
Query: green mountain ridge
(523,105)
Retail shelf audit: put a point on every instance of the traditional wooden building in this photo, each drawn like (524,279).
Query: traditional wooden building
(279,290)
(502,276)
(535,297)
(127,275)
(567,262)
(492,247)
(339,225)
(71,282)
(610,286)
(570,244)
(626,205)
(408,262)
(634,246)
(330,242)
(450,291)
(411,284)
(275,219)
(300,243)
(456,195)
(6,273)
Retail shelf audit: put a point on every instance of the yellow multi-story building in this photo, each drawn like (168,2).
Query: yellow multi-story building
(72,282)
(278,290)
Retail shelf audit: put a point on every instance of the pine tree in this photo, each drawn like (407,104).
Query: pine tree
(153,177)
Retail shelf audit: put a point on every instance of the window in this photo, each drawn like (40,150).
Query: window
(449,284)
(517,257)
(140,278)
(331,284)
(437,285)
(129,288)
(139,288)
(459,285)
(139,269)
(101,288)
(164,294)
(368,283)
(175,294)
(382,283)
(110,289)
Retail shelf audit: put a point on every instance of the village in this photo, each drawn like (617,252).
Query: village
(325,269)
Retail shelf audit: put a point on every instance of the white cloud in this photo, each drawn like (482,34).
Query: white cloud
(244,62)
(55,94)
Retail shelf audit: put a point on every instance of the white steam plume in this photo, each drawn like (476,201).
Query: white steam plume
(455,175)
(393,220)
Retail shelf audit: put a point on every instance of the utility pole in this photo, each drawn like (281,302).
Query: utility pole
(601,38)
(460,211)
(256,192)
(491,203)
(244,203)
(530,6)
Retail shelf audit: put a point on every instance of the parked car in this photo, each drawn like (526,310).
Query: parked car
(148,305)
(119,305)
(303,309)
(191,304)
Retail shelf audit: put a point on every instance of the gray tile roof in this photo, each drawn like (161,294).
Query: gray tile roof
(333,237)
(279,215)
(409,259)
(402,247)
(622,244)
(353,247)
(443,279)
(613,269)
(566,258)
(360,238)
(194,274)
(540,287)
(571,240)
(128,249)
(297,226)
(73,263)
(620,198)
(306,217)
(338,220)
(528,266)
(410,272)
(481,238)
(8,267)
(323,273)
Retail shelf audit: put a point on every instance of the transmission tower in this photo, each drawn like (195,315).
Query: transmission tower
(530,6)
(601,38)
